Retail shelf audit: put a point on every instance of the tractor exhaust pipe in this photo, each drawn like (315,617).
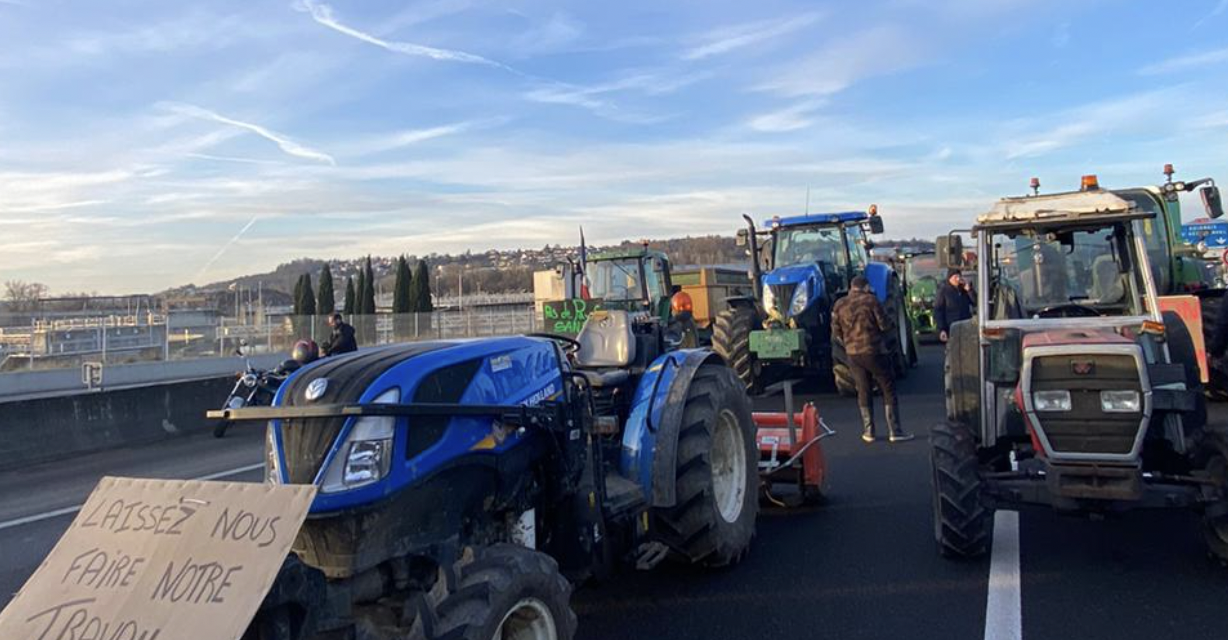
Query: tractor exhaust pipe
(756,273)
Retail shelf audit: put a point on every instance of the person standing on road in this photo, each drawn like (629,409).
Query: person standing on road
(859,322)
(952,303)
(342,339)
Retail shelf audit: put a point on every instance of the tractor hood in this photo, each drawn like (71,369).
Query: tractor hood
(801,284)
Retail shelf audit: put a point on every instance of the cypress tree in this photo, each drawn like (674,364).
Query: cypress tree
(298,297)
(349,296)
(359,287)
(402,290)
(327,302)
(309,296)
(368,290)
(422,289)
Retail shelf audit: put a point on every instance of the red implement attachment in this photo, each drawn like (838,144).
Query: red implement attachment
(790,451)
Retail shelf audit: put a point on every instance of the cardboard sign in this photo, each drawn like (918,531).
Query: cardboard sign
(161,560)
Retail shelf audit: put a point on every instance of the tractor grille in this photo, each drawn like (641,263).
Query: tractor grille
(1086,428)
(784,296)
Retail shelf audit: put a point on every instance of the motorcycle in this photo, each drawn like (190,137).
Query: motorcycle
(254,388)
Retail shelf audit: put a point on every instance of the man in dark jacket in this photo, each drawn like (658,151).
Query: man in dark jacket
(859,322)
(342,338)
(952,303)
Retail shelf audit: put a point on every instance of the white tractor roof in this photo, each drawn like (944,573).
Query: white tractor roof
(1079,205)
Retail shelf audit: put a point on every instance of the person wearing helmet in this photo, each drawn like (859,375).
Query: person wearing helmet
(305,352)
(342,339)
(682,320)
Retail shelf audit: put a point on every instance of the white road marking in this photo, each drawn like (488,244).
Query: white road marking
(38,517)
(1003,607)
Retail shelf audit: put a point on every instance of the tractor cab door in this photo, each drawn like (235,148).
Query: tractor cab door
(854,239)
(657,280)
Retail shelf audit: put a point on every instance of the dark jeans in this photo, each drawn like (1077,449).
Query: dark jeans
(863,366)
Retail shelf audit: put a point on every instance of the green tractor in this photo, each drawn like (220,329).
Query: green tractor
(923,276)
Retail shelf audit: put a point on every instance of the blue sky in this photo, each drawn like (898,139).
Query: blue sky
(151,144)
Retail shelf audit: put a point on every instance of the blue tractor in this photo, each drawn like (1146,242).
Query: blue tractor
(464,486)
(800,266)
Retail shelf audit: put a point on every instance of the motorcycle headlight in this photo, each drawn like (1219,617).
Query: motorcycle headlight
(801,298)
(769,299)
(1121,401)
(1057,400)
(249,379)
(236,402)
(366,455)
(272,463)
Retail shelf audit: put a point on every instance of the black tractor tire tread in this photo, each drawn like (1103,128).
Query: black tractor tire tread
(1181,349)
(731,340)
(842,376)
(693,529)
(1217,369)
(961,372)
(962,524)
(895,308)
(471,597)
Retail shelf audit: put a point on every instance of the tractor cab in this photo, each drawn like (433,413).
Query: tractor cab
(636,280)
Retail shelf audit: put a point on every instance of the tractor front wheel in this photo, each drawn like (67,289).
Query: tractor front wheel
(961,523)
(731,339)
(899,343)
(842,375)
(717,481)
(500,592)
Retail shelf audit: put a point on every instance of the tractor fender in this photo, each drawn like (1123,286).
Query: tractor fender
(650,438)
(880,275)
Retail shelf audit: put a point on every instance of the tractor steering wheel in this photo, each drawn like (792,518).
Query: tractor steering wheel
(569,345)
(1061,311)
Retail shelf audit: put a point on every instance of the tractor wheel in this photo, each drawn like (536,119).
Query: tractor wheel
(1215,520)
(500,592)
(731,339)
(717,480)
(898,343)
(1217,369)
(962,374)
(962,525)
(1181,349)
(841,374)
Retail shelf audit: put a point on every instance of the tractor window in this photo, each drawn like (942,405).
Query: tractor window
(655,277)
(615,279)
(922,267)
(857,249)
(807,245)
(1043,271)
(1155,236)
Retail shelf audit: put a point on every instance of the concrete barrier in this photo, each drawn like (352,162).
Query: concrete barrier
(45,429)
(23,385)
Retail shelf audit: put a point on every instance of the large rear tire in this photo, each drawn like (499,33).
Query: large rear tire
(1217,368)
(841,374)
(899,338)
(501,592)
(962,525)
(731,339)
(1215,521)
(717,481)
(962,374)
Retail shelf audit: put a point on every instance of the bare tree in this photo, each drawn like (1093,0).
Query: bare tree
(24,296)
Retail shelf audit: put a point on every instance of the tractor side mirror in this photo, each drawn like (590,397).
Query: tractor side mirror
(1211,201)
(876,225)
(949,250)
(740,238)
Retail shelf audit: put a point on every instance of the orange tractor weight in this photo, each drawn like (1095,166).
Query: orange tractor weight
(791,451)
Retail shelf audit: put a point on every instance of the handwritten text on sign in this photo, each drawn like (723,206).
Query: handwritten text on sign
(161,560)
(568,316)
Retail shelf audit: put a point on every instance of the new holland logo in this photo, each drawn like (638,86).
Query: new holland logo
(316,389)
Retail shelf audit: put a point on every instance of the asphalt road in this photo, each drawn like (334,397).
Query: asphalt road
(861,566)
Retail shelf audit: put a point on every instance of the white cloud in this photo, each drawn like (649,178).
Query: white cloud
(1118,116)
(1219,8)
(727,39)
(284,143)
(409,137)
(876,51)
(552,36)
(790,118)
(1186,62)
(323,14)
(592,97)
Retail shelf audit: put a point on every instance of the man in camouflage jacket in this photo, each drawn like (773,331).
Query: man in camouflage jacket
(859,322)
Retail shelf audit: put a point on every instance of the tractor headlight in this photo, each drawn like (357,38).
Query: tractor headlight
(801,298)
(366,455)
(769,299)
(272,463)
(1058,400)
(1122,401)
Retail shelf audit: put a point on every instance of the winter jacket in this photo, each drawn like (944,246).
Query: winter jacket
(859,321)
(952,304)
(341,341)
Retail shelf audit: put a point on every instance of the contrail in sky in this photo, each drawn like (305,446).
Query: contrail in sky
(225,247)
